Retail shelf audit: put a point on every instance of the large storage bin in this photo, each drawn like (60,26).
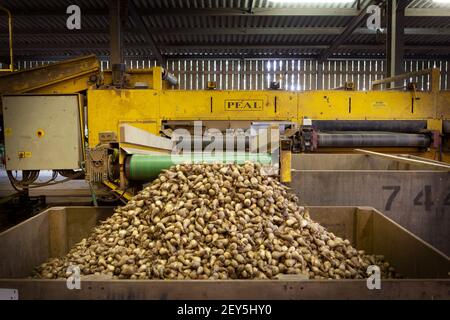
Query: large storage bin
(415,196)
(54,231)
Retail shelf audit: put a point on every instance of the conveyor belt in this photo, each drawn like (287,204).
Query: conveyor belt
(147,167)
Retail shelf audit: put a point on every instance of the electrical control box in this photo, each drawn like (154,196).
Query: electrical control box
(42,132)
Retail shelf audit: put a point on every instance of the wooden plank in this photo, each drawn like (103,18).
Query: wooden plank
(402,76)
(400,158)
(351,162)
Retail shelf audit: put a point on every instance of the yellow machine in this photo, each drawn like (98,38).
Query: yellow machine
(139,118)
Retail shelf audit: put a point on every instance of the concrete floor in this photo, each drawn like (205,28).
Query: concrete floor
(75,191)
(70,193)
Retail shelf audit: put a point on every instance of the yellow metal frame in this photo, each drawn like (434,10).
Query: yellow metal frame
(81,115)
(151,76)
(108,107)
(68,76)
(117,190)
(285,166)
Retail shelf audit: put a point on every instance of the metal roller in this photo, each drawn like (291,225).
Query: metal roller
(446,126)
(373,140)
(405,126)
(140,167)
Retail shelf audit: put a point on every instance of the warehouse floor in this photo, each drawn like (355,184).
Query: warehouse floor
(71,193)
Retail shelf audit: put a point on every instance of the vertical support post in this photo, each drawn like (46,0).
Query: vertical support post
(285,161)
(435,80)
(116,42)
(115,32)
(10,33)
(395,16)
(157,78)
(122,177)
(242,74)
(320,65)
(122,157)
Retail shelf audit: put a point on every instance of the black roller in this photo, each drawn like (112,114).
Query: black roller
(406,126)
(446,126)
(373,139)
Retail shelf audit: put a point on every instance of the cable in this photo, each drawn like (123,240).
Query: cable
(28,177)
(117,197)
(54,176)
(12,179)
(58,182)
(94,197)
(67,173)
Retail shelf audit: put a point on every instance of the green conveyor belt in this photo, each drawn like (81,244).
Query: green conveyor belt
(140,167)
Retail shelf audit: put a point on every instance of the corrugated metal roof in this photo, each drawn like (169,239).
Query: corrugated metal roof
(39,29)
(420,4)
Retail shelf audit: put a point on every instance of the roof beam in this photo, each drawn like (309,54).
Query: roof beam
(19,12)
(428,31)
(351,26)
(105,46)
(280,47)
(409,12)
(427,12)
(446,48)
(226,31)
(228,56)
(140,24)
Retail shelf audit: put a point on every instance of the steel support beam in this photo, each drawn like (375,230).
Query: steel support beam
(140,25)
(427,12)
(224,31)
(115,32)
(395,44)
(280,47)
(250,7)
(228,56)
(351,26)
(428,31)
(21,12)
